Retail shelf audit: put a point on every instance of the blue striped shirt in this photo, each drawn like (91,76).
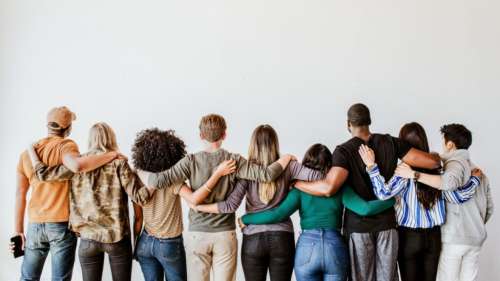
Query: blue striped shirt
(409,211)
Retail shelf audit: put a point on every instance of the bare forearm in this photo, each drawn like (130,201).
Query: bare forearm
(201,193)
(19,213)
(20,205)
(87,163)
(317,188)
(430,180)
(138,220)
(197,197)
(208,208)
(420,159)
(327,187)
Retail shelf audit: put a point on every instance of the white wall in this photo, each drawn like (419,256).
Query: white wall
(294,64)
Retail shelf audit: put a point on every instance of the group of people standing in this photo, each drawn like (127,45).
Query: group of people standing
(362,212)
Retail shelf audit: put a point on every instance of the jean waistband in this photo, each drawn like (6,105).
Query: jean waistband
(172,239)
(319,232)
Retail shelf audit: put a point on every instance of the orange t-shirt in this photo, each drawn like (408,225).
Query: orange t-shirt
(49,201)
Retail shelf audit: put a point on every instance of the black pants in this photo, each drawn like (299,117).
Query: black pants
(273,250)
(91,255)
(419,251)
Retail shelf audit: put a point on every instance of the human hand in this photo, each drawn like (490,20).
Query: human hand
(367,155)
(241,224)
(226,167)
(291,157)
(477,172)
(405,171)
(12,245)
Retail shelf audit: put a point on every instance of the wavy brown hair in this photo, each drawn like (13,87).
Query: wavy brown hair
(415,135)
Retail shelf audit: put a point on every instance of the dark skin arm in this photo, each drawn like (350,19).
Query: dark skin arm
(326,187)
(420,159)
(137,222)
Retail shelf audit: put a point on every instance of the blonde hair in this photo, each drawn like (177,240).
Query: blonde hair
(264,150)
(102,138)
(212,127)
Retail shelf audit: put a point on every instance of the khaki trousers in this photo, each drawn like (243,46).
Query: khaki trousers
(211,251)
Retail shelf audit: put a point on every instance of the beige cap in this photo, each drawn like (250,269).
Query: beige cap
(62,116)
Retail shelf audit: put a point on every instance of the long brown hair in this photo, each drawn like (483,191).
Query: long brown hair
(415,135)
(264,150)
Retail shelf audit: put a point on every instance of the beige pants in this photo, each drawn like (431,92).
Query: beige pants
(207,251)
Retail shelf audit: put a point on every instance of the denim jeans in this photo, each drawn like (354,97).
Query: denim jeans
(321,255)
(161,257)
(91,255)
(43,238)
(270,250)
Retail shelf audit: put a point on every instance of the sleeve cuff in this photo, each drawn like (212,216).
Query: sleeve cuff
(221,207)
(476,180)
(374,171)
(244,220)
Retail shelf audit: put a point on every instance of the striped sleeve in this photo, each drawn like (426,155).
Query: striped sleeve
(381,189)
(464,193)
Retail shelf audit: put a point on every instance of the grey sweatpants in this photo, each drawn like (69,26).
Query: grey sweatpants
(374,256)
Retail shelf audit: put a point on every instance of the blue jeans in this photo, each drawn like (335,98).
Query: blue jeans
(43,238)
(159,257)
(321,255)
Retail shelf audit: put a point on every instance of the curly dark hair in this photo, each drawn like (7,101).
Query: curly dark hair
(155,150)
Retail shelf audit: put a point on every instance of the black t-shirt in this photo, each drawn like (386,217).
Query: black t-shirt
(387,150)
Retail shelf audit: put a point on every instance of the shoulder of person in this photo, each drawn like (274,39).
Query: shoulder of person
(67,141)
(235,156)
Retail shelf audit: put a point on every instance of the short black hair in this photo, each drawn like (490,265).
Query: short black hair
(155,150)
(318,157)
(359,115)
(458,134)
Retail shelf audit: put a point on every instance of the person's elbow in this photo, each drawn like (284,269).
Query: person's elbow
(76,168)
(73,164)
(328,189)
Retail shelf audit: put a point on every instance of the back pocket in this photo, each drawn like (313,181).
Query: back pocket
(303,253)
(170,251)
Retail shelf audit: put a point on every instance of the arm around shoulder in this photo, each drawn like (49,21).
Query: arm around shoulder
(180,172)
(420,159)
(327,187)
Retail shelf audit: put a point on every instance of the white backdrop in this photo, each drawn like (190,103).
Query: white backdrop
(294,64)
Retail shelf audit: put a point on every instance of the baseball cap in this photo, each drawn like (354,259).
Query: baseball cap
(61,116)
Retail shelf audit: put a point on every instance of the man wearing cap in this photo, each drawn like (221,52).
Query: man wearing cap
(48,208)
